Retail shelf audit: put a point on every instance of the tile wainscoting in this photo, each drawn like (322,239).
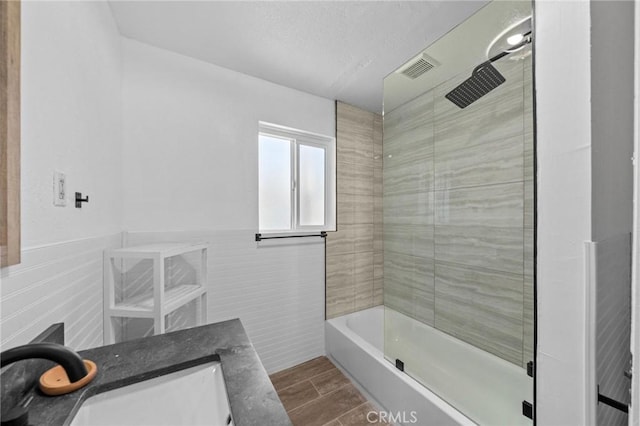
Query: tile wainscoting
(59,282)
(275,287)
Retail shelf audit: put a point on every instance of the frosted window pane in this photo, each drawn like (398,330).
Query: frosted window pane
(275,183)
(311,169)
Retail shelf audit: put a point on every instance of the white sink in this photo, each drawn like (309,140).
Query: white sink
(193,396)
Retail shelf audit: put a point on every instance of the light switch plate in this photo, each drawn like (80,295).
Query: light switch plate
(59,189)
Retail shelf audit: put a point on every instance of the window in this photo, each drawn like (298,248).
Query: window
(297,180)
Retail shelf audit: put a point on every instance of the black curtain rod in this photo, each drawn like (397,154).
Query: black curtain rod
(259,237)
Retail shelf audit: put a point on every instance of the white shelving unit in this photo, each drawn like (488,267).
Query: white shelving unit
(164,300)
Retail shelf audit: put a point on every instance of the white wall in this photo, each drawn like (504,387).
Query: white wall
(635,283)
(612,118)
(612,198)
(612,330)
(56,283)
(190,133)
(192,127)
(71,121)
(564,207)
(191,164)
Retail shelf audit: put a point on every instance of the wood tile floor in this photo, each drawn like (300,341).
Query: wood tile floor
(316,393)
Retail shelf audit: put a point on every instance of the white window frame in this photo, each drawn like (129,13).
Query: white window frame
(297,138)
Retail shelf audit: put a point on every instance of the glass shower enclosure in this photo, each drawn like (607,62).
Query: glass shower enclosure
(458,195)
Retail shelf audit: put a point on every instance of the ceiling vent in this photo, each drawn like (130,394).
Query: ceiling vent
(419,66)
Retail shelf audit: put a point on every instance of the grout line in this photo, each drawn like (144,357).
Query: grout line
(314,386)
(289,369)
(455,188)
(354,408)
(331,370)
(514,275)
(290,386)
(324,372)
(322,396)
(305,379)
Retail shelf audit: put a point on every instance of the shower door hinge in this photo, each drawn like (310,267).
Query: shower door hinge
(530,369)
(399,365)
(527,409)
(618,405)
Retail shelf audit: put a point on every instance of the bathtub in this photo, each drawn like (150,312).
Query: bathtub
(486,388)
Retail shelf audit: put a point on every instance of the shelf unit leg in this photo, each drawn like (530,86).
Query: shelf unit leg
(108,297)
(158,296)
(198,311)
(201,310)
(202,314)
(109,331)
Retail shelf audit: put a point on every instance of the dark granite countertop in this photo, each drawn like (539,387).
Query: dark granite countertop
(252,397)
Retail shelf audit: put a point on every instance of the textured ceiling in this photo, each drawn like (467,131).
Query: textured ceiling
(335,49)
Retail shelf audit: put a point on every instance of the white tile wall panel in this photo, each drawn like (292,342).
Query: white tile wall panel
(59,282)
(613,324)
(276,288)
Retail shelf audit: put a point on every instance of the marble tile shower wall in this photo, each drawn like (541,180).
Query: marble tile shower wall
(354,253)
(458,214)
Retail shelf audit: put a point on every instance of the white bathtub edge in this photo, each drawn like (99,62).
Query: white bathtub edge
(389,388)
(370,398)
